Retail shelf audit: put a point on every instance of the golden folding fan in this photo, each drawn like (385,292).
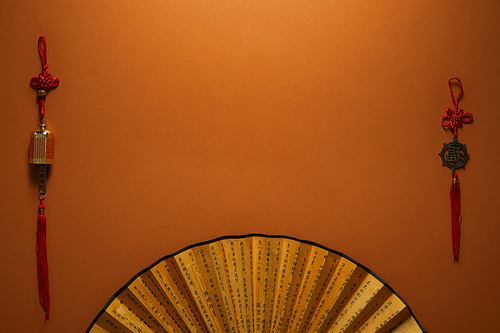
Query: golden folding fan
(256,283)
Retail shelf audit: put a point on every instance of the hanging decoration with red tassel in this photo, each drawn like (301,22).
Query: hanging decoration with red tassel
(454,155)
(42,154)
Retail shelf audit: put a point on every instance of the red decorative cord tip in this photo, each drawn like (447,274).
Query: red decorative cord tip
(455,117)
(44,81)
(456,216)
(41,259)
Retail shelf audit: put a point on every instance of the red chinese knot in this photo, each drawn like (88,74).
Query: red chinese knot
(455,117)
(44,81)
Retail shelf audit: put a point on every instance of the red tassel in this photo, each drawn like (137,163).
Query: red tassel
(41,259)
(456,216)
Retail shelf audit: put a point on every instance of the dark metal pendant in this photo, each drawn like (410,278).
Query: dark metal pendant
(454,154)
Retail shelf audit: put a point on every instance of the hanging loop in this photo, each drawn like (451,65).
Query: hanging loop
(42,49)
(455,102)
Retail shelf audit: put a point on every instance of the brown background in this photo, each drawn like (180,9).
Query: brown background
(180,121)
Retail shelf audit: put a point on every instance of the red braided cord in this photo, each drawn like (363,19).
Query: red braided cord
(455,117)
(455,102)
(41,109)
(42,49)
(44,81)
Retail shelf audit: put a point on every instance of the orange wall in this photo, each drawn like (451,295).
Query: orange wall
(181,121)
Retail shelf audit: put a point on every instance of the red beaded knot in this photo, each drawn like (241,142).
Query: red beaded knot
(455,117)
(44,81)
